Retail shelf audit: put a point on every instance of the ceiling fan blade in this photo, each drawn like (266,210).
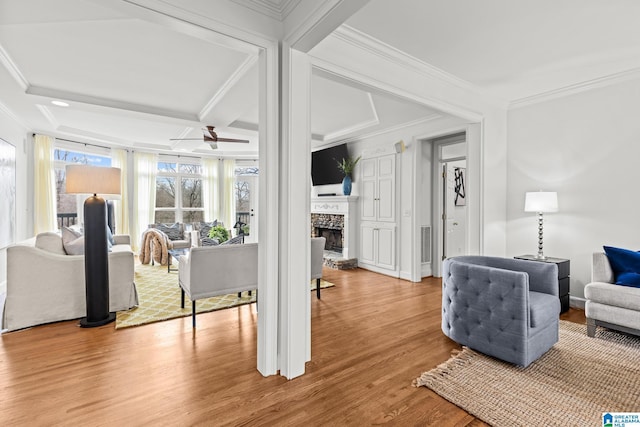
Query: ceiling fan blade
(185,139)
(244,141)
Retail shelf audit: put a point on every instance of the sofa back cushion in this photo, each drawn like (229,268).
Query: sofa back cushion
(50,242)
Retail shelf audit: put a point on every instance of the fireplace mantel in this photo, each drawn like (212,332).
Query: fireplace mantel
(341,205)
(346,205)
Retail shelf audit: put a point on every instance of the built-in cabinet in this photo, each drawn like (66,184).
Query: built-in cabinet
(378,189)
(378,213)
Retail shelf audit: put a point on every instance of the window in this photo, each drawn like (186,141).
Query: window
(67,204)
(179,192)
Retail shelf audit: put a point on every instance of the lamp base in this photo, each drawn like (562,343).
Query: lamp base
(84,323)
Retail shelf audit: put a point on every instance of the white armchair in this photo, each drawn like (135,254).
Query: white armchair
(211,271)
(317,260)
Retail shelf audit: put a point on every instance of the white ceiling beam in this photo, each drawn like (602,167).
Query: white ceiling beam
(49,93)
(311,21)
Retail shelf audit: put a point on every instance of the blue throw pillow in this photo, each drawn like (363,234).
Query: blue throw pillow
(625,264)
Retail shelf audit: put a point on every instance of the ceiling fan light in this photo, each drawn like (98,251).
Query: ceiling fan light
(214,145)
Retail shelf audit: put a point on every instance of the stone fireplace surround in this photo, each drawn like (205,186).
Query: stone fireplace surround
(337,213)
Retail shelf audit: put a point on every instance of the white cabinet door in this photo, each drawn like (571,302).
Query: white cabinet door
(386,243)
(367,244)
(378,189)
(377,246)
(368,189)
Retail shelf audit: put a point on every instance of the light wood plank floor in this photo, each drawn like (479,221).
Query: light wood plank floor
(372,335)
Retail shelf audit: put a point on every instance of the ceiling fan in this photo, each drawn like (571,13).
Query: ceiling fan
(211,137)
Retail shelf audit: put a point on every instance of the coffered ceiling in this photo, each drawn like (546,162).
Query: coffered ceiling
(138,82)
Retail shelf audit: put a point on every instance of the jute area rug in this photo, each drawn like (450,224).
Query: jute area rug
(159,298)
(571,385)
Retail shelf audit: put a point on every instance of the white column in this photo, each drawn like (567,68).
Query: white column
(268,255)
(295,189)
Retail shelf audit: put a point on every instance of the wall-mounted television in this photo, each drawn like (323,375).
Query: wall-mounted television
(324,165)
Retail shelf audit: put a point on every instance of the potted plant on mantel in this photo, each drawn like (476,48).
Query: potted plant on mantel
(347,165)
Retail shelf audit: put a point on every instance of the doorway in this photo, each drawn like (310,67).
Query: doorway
(451,215)
(246,189)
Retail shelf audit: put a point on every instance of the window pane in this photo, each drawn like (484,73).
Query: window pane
(166,217)
(166,167)
(191,169)
(247,171)
(67,156)
(165,192)
(191,193)
(192,216)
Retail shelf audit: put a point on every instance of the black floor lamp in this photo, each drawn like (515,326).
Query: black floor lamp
(81,179)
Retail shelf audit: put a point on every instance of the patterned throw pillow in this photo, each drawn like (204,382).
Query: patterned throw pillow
(208,241)
(205,228)
(173,231)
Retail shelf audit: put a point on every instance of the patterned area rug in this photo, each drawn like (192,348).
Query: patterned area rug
(159,298)
(571,385)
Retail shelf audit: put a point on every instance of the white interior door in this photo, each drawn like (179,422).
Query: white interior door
(455,212)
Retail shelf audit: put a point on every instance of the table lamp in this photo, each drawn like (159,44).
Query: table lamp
(541,202)
(82,179)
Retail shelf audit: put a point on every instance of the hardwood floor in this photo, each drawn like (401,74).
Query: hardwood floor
(372,335)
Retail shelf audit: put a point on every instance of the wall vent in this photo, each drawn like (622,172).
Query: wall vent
(425,243)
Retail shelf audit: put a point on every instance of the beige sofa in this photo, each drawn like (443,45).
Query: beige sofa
(609,305)
(45,285)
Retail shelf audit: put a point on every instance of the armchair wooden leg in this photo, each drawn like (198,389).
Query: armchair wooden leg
(318,288)
(591,327)
(193,313)
(239,294)
(181,298)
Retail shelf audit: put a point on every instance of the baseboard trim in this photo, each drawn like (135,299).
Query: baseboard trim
(577,302)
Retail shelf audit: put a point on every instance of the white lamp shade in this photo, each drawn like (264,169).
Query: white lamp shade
(82,179)
(541,201)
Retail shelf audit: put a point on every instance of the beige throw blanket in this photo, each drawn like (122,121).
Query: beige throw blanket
(154,243)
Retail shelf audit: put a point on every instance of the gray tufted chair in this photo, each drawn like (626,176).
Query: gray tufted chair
(505,308)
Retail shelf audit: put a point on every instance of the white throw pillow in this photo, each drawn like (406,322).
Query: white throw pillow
(73,244)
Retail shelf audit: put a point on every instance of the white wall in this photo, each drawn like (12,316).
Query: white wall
(586,147)
(14,133)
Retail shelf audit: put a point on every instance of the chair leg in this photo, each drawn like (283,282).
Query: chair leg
(591,327)
(318,288)
(193,313)
(250,293)
(181,298)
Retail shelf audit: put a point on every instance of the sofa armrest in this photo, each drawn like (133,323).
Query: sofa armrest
(122,239)
(601,268)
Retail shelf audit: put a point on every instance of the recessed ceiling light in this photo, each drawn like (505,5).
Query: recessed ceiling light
(60,103)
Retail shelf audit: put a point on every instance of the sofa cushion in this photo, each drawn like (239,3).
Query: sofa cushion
(613,295)
(625,264)
(50,242)
(73,244)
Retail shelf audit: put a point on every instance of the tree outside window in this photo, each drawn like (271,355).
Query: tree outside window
(183,202)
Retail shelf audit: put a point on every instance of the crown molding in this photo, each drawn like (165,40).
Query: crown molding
(13,69)
(366,42)
(12,116)
(273,9)
(390,129)
(572,89)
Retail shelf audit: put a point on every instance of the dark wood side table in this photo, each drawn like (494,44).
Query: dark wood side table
(563,277)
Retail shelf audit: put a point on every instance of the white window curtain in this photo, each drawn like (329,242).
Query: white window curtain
(144,193)
(44,206)
(121,207)
(229,201)
(210,193)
